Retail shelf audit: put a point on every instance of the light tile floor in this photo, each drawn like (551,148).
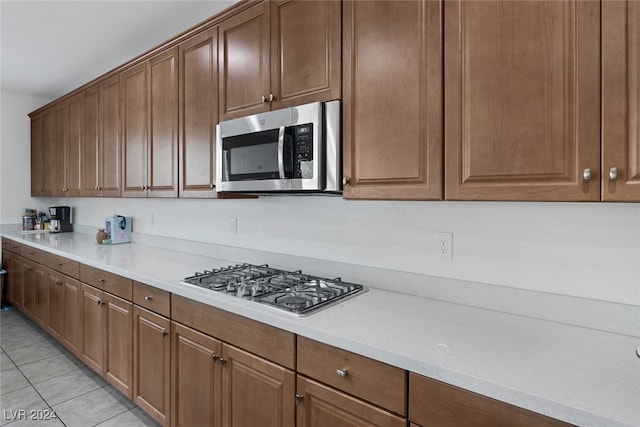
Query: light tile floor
(43,384)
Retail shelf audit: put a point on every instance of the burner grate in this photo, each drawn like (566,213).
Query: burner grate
(291,291)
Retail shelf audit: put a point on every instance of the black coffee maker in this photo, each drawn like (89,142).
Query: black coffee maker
(60,217)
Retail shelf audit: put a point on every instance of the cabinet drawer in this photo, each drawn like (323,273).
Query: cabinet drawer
(112,283)
(33,254)
(151,298)
(15,247)
(63,265)
(433,403)
(376,382)
(259,338)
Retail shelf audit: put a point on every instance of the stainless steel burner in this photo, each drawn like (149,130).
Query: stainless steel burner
(292,291)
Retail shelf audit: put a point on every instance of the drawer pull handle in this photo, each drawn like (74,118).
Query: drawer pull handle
(214,357)
(148,298)
(299,399)
(342,372)
(58,282)
(99,302)
(222,361)
(100,280)
(59,264)
(165,333)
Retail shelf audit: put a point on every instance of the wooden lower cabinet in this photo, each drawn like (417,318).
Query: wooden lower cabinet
(13,280)
(433,403)
(34,291)
(71,323)
(255,389)
(195,375)
(56,307)
(119,343)
(92,337)
(322,406)
(216,384)
(107,337)
(151,364)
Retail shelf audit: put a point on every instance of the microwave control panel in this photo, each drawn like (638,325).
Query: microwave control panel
(303,151)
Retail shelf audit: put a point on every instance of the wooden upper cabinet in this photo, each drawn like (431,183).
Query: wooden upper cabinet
(305,52)
(279,54)
(73,148)
(49,151)
(91,146)
(244,63)
(162,166)
(134,131)
(198,61)
(150,127)
(621,101)
(61,117)
(522,100)
(37,156)
(110,137)
(392,111)
(101,150)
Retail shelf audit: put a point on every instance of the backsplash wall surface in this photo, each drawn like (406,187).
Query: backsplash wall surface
(587,250)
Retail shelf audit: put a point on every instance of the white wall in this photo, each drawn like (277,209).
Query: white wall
(589,250)
(15,155)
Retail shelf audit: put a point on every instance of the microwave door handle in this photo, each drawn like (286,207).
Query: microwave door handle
(281,153)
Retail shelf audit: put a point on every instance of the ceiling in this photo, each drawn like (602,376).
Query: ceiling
(48,48)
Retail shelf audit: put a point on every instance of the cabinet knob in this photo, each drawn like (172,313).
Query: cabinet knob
(263,99)
(98,302)
(214,357)
(148,297)
(271,97)
(165,333)
(142,187)
(58,282)
(212,186)
(613,173)
(222,361)
(586,174)
(299,399)
(342,372)
(346,181)
(101,280)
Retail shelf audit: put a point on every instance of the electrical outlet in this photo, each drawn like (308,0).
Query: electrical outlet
(233,225)
(444,246)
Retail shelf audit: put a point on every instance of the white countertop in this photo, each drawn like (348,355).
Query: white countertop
(579,375)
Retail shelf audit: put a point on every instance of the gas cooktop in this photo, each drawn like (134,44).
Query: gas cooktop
(291,291)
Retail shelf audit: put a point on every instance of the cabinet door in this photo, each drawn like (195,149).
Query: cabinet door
(73,148)
(522,100)
(61,112)
(322,406)
(119,344)
(244,63)
(162,150)
(195,373)
(28,287)
(49,152)
(305,52)
(37,156)
(392,111)
(151,368)
(40,295)
(198,114)
(90,147)
(71,307)
(134,131)
(109,154)
(14,279)
(256,389)
(92,336)
(55,302)
(621,100)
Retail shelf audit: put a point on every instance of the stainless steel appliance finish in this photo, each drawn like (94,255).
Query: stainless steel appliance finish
(291,291)
(295,149)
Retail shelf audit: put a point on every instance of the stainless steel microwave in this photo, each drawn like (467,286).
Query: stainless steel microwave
(295,149)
